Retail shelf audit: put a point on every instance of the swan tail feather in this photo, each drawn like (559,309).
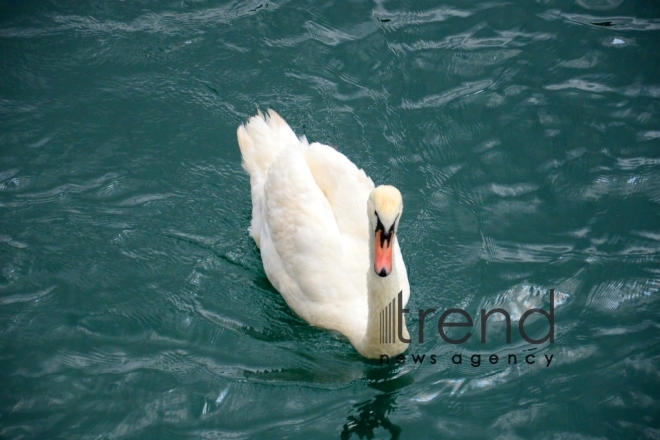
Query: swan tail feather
(261,140)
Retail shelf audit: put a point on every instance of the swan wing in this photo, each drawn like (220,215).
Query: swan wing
(347,189)
(302,247)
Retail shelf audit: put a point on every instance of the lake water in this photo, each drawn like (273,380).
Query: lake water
(524,137)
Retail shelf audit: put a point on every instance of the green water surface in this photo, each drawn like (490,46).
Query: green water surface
(524,137)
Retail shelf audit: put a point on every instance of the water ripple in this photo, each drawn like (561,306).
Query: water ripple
(611,23)
(467,88)
(133,303)
(164,23)
(618,294)
(469,41)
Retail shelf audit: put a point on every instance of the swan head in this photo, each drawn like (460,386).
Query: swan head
(385,208)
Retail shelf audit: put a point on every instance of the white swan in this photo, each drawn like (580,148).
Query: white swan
(328,238)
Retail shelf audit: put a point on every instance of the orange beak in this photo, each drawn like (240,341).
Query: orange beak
(383,253)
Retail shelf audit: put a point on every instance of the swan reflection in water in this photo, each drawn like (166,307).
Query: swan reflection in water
(370,416)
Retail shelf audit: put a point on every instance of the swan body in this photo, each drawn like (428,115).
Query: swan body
(327,236)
